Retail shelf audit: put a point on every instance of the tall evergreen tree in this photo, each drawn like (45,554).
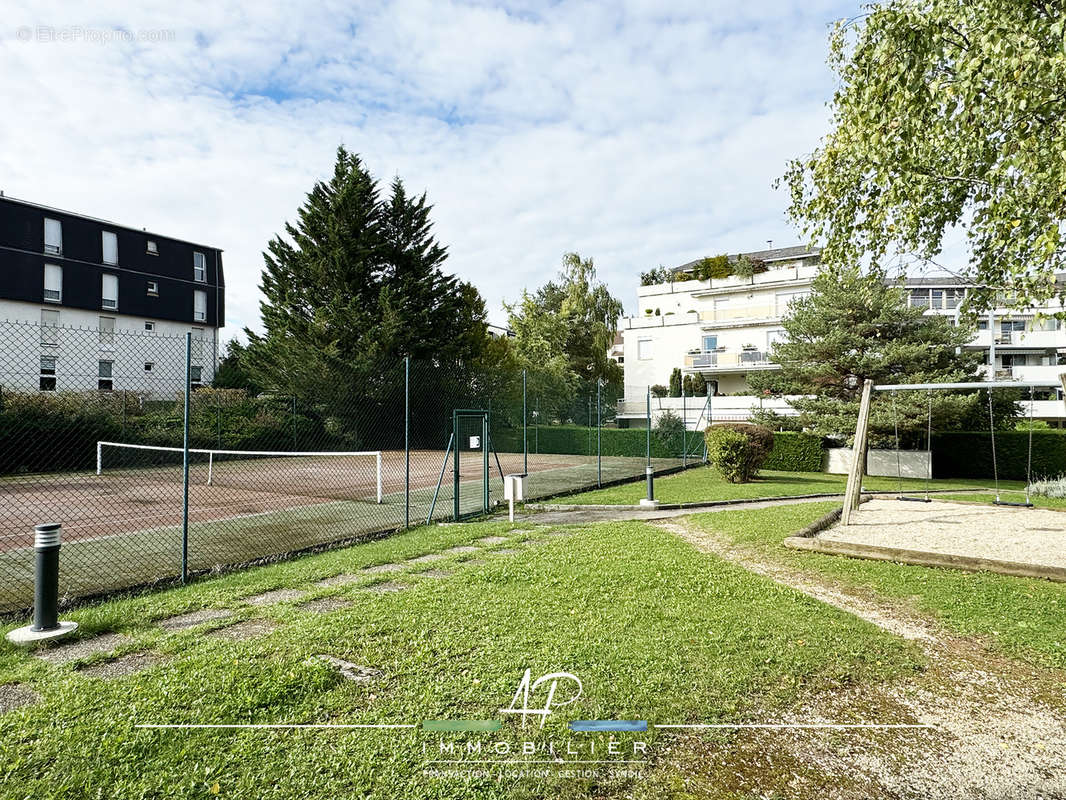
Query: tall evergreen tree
(354,286)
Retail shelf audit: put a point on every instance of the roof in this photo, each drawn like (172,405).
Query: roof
(107,222)
(776,254)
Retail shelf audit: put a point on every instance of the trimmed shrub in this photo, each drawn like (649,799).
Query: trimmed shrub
(796,452)
(738,450)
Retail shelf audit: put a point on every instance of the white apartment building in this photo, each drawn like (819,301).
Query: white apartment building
(720,330)
(90,305)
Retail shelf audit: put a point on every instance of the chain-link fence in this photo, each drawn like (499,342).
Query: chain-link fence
(152,483)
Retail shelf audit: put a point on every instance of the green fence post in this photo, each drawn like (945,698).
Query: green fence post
(536,429)
(185,464)
(648,471)
(407,441)
(525,446)
(294,447)
(684,428)
(485,458)
(599,437)
(455,464)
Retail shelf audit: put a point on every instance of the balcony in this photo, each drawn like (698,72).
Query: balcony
(735,313)
(727,360)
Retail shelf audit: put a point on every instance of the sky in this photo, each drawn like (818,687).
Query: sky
(634,132)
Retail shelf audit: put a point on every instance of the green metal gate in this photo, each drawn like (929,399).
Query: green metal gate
(470,464)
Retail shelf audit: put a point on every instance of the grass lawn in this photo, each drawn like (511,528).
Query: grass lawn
(654,629)
(704,483)
(1020,616)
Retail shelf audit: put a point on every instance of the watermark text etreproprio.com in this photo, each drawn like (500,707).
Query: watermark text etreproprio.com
(74,34)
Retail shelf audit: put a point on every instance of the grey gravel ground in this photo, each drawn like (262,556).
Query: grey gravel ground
(16,695)
(83,648)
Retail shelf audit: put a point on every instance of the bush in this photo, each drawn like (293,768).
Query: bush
(795,452)
(658,390)
(675,382)
(738,450)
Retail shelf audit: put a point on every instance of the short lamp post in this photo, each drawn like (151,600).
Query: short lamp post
(46,624)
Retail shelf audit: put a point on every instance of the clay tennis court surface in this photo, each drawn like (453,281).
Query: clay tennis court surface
(137,499)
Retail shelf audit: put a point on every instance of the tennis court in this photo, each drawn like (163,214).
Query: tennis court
(123,526)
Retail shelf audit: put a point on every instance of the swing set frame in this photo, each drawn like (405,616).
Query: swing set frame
(854,486)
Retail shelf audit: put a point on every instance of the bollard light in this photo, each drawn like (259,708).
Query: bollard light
(47,540)
(650,501)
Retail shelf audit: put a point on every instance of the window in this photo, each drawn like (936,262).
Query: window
(644,349)
(48,374)
(149,366)
(53,283)
(710,343)
(938,298)
(149,325)
(775,335)
(919,298)
(104,372)
(196,376)
(107,333)
(49,328)
(199,307)
(199,267)
(110,247)
(109,292)
(53,237)
(153,249)
(153,288)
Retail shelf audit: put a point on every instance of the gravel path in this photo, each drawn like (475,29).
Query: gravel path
(1000,725)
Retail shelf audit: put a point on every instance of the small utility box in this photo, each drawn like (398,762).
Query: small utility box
(514,487)
(514,491)
(475,442)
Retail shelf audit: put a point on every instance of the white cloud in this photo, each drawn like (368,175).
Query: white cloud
(637,133)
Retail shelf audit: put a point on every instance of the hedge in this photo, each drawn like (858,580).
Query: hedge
(795,452)
(969,455)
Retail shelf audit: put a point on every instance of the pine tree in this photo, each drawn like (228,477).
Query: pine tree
(857,326)
(353,287)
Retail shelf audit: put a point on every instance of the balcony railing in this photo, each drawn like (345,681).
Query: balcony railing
(729,313)
(709,359)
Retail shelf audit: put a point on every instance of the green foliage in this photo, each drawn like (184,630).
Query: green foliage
(969,454)
(357,282)
(658,390)
(659,274)
(675,382)
(737,450)
(947,117)
(65,426)
(746,267)
(234,371)
(694,386)
(712,267)
(856,326)
(795,452)
(563,332)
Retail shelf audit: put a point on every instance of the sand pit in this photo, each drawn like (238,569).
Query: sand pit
(1029,542)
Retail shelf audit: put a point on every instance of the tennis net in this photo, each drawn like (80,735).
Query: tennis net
(336,474)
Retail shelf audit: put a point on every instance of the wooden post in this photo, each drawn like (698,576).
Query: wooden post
(858,455)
